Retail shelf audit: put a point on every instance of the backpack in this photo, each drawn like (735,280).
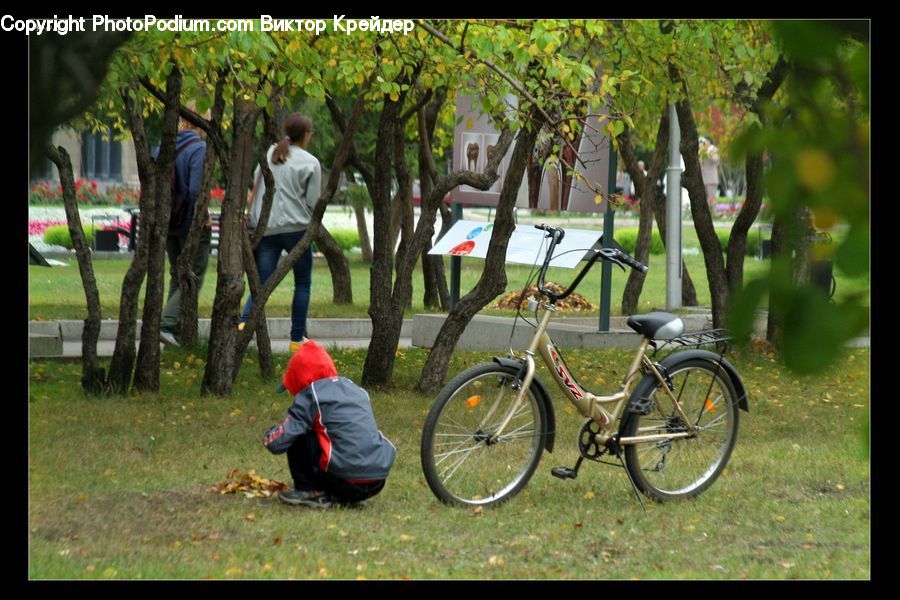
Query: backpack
(181,204)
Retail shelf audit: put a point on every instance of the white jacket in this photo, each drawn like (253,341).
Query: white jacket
(298,185)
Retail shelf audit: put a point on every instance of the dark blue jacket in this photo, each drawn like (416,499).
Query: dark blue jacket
(189,171)
(339,413)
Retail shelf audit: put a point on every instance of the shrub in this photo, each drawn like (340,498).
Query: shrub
(45,192)
(752,248)
(627,238)
(58,235)
(346,238)
(121,194)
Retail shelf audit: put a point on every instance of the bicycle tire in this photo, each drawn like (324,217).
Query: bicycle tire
(459,464)
(682,467)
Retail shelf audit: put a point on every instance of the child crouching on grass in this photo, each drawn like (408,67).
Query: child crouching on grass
(334,448)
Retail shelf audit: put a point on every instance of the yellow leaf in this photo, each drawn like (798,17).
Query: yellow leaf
(406,538)
(780,518)
(109,572)
(233,571)
(473,401)
(824,218)
(815,169)
(589,496)
(251,517)
(840,486)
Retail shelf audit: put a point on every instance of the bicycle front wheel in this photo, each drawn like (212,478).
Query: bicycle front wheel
(464,462)
(683,467)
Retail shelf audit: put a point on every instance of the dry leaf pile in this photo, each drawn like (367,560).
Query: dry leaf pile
(248,483)
(575,302)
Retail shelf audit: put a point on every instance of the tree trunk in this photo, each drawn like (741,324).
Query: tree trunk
(263,342)
(645,185)
(436,293)
(123,360)
(146,374)
(93,378)
(338,265)
(386,309)
(379,362)
(222,361)
(365,244)
(493,279)
(737,242)
(703,223)
(790,249)
(188,282)
(635,284)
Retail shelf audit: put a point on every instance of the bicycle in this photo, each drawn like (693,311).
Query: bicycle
(672,425)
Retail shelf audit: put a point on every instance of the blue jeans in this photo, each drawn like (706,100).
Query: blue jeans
(267,255)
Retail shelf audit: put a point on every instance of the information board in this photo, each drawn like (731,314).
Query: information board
(526,244)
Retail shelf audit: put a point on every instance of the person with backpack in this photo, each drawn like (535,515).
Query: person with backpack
(334,449)
(190,152)
(298,185)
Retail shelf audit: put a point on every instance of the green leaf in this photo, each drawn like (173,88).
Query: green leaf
(743,307)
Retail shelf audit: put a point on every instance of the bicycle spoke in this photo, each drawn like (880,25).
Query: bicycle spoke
(686,465)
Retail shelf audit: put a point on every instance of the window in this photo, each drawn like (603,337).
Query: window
(101,158)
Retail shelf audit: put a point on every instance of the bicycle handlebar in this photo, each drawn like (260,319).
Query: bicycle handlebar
(613,255)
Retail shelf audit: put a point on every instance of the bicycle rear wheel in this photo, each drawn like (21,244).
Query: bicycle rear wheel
(683,467)
(462,464)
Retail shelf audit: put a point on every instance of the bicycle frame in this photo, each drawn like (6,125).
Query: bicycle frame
(588,404)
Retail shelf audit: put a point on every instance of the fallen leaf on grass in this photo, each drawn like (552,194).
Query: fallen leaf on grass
(249,483)
(406,538)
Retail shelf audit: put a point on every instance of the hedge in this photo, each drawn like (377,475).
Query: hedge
(347,239)
(753,243)
(58,235)
(627,238)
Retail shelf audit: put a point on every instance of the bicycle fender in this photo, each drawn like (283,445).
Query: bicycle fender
(549,433)
(678,357)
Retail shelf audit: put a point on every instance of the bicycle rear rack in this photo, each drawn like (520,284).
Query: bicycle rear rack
(707,337)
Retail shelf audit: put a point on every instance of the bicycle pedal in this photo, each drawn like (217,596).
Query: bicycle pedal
(564,472)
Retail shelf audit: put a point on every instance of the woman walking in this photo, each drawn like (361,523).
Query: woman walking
(298,182)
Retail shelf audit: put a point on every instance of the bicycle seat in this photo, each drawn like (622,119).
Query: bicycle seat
(657,325)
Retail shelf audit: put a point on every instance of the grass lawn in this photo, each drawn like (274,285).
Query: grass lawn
(120,488)
(56,293)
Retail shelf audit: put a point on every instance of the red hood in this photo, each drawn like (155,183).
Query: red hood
(310,363)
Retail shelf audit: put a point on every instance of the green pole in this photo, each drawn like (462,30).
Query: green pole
(607,242)
(455,261)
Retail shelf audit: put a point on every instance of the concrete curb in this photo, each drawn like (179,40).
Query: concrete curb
(56,338)
(493,333)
